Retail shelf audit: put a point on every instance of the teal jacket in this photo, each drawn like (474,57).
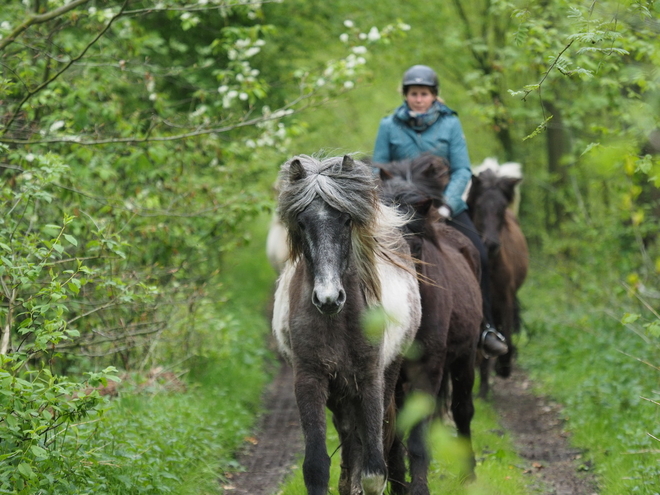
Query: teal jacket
(404,135)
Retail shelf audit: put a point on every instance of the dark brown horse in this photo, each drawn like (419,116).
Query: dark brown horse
(446,342)
(348,258)
(488,200)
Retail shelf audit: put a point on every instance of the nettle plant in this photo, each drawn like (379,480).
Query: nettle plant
(41,410)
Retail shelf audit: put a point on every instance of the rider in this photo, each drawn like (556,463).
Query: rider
(424,124)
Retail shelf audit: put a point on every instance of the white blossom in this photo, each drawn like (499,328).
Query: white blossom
(320,82)
(252,51)
(374,34)
(404,27)
(153,96)
(343,37)
(29,157)
(348,23)
(58,124)
(362,36)
(360,49)
(243,96)
(223,89)
(349,84)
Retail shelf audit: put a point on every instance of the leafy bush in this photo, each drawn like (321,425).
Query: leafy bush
(42,411)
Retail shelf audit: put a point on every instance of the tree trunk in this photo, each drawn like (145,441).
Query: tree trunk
(557,147)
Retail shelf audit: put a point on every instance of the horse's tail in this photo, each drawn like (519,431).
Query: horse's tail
(443,401)
(517,319)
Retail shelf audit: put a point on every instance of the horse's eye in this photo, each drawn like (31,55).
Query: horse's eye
(349,222)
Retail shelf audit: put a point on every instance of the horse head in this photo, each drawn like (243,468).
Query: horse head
(489,197)
(320,218)
(429,174)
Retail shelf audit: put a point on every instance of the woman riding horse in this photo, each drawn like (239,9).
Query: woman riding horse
(424,124)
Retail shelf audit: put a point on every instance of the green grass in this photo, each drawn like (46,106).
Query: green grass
(577,351)
(184,442)
(499,470)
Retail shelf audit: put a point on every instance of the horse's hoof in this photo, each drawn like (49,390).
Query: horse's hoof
(503,369)
(373,484)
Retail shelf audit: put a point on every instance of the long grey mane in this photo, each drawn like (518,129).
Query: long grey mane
(351,190)
(349,186)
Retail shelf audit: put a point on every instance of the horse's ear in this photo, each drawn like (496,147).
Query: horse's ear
(384,174)
(424,206)
(473,190)
(507,186)
(296,170)
(347,163)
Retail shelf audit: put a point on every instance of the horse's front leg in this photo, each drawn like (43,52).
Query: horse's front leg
(370,426)
(311,394)
(351,448)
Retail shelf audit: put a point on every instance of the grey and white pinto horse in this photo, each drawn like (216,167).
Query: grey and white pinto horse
(347,257)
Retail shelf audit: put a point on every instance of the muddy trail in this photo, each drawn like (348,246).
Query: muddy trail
(534,423)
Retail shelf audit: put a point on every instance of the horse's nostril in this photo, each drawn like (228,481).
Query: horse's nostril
(330,303)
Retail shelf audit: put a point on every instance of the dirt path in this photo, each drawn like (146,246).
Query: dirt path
(534,423)
(536,428)
(270,455)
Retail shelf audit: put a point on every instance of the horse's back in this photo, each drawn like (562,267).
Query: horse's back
(449,280)
(453,238)
(515,252)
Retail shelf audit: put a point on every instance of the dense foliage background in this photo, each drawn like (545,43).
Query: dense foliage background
(139,140)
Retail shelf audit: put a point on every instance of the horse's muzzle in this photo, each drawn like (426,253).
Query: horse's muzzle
(329,302)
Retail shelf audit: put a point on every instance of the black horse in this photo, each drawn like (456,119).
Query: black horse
(489,199)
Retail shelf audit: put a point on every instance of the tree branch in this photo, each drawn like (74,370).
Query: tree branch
(31,93)
(6,330)
(39,19)
(198,132)
(538,86)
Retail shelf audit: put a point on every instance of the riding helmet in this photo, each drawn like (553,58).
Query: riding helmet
(420,75)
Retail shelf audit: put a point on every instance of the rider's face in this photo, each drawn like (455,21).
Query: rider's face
(420,98)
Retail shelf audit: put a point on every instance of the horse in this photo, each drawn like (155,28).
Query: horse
(277,249)
(348,260)
(446,343)
(490,196)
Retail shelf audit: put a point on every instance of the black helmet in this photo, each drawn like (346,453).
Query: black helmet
(420,75)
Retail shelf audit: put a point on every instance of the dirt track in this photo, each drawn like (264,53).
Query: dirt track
(534,423)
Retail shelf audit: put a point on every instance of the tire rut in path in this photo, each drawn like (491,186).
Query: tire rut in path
(535,425)
(533,422)
(277,443)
